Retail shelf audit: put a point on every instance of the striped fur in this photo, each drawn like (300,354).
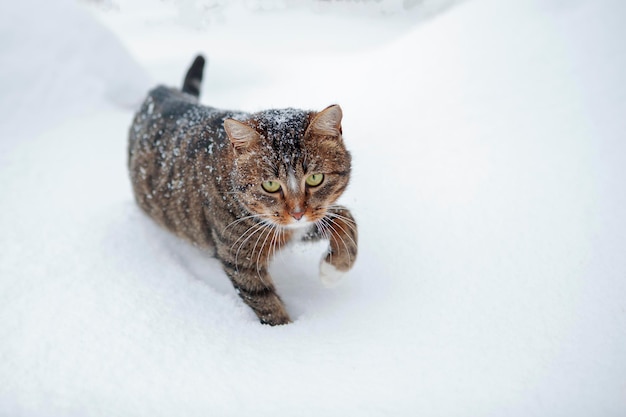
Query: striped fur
(203,181)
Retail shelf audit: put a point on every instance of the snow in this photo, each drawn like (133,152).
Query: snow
(488,152)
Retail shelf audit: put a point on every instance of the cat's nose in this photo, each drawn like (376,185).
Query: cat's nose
(297,214)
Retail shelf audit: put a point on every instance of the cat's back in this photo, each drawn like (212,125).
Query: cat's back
(169,103)
(164,109)
(175,149)
(169,112)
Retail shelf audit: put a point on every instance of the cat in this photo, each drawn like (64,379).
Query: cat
(244,185)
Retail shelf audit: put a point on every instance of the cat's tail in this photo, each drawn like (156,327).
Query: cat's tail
(193,79)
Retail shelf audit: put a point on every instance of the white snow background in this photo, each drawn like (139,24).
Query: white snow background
(488,183)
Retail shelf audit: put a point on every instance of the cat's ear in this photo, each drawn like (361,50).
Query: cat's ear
(240,134)
(327,122)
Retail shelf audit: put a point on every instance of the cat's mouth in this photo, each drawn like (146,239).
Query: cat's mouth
(297,224)
(289,222)
(296,219)
(293,219)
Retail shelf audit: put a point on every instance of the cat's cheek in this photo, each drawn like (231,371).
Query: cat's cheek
(329,275)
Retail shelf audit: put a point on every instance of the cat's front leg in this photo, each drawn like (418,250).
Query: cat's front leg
(256,289)
(340,228)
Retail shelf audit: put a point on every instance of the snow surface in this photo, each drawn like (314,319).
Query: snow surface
(489,168)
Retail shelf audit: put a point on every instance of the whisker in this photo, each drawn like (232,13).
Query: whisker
(335,210)
(253,216)
(280,240)
(255,229)
(342,240)
(329,235)
(280,233)
(270,230)
(273,244)
(349,222)
(346,218)
(321,230)
(346,233)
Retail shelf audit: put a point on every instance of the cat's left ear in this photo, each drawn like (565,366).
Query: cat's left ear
(240,134)
(327,122)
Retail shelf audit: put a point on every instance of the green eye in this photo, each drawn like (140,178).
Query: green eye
(314,180)
(271,186)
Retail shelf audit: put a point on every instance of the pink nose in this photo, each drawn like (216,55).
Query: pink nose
(297,214)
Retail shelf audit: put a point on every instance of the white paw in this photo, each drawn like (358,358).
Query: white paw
(330,275)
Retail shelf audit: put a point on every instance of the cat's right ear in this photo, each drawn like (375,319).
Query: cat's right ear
(327,122)
(240,134)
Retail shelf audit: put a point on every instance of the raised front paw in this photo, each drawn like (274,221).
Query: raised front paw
(329,275)
(342,252)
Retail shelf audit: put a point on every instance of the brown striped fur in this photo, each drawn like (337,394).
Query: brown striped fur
(198,171)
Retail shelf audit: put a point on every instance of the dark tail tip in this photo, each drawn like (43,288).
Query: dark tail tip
(193,79)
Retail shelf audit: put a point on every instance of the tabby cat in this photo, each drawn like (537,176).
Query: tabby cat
(244,185)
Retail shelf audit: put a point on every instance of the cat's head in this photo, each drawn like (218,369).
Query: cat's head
(290,165)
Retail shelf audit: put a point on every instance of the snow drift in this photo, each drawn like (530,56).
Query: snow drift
(488,186)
